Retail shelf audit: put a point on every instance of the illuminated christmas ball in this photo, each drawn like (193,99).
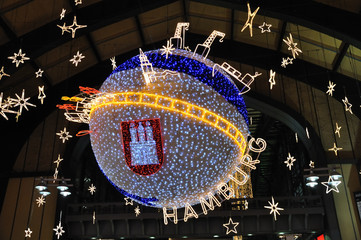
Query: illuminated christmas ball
(166,132)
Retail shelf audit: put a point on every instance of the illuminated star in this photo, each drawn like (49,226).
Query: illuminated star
(92,189)
(63,28)
(348,105)
(94,218)
(55,175)
(59,230)
(289,162)
(77,58)
(77,2)
(28,232)
(265,27)
(312,164)
(40,201)
(250,18)
(335,148)
(64,135)
(330,87)
(4,107)
(331,185)
(57,161)
(22,102)
(62,14)
(292,46)
(167,49)
(128,202)
(274,208)
(39,73)
(338,128)
(41,95)
(231,228)
(75,27)
(272,80)
(286,61)
(2,73)
(137,211)
(245,207)
(18,58)
(17,116)
(114,63)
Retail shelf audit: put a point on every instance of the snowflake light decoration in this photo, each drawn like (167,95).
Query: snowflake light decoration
(337,131)
(231,226)
(64,135)
(28,232)
(286,61)
(265,27)
(331,88)
(292,46)
(18,58)
(2,73)
(167,49)
(58,230)
(348,105)
(137,211)
(334,149)
(39,73)
(274,208)
(250,18)
(331,185)
(22,102)
(41,95)
(272,80)
(92,189)
(289,162)
(77,58)
(40,201)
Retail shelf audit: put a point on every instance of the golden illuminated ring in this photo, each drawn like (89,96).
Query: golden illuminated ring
(175,105)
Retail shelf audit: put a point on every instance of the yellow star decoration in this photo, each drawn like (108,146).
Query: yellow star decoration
(274,208)
(292,46)
(39,73)
(77,58)
(348,105)
(41,95)
(18,58)
(128,202)
(75,27)
(114,63)
(57,161)
(335,149)
(265,27)
(272,80)
(250,18)
(231,226)
(337,131)
(28,232)
(64,135)
(92,189)
(62,14)
(59,230)
(2,73)
(312,164)
(331,88)
(289,162)
(286,61)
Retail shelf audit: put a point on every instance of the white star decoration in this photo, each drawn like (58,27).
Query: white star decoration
(231,228)
(40,201)
(59,230)
(41,95)
(312,164)
(75,27)
(331,88)
(348,105)
(292,46)
(137,211)
(77,2)
(265,27)
(274,208)
(286,61)
(167,49)
(63,28)
(331,185)
(114,63)
(57,161)
(337,131)
(250,18)
(18,58)
(128,202)
(289,162)
(272,80)
(335,148)
(28,232)
(77,58)
(64,135)
(39,73)
(92,189)
(55,175)
(22,102)
(62,14)
(2,73)
(4,107)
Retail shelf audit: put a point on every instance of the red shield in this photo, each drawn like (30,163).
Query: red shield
(142,145)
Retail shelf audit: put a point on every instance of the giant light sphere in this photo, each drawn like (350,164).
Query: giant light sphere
(173,140)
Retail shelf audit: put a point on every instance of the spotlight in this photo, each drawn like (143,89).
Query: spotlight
(44,193)
(62,186)
(312,177)
(42,185)
(335,175)
(65,193)
(310,183)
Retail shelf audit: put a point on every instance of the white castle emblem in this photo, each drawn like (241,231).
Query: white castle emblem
(143,148)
